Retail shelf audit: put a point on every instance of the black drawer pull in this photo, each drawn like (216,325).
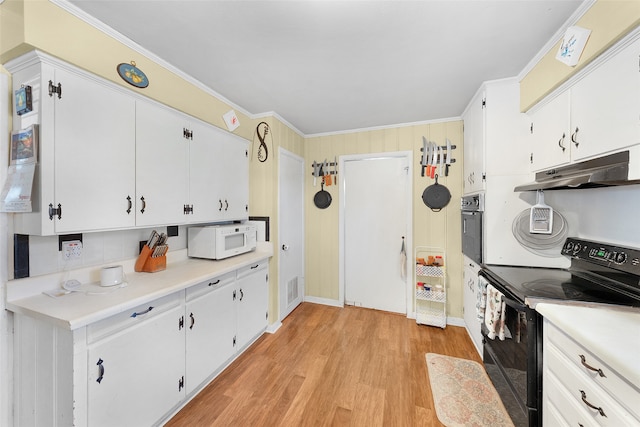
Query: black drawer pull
(583,360)
(101,370)
(214,283)
(586,402)
(142,312)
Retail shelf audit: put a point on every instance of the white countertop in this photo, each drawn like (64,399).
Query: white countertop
(611,334)
(79,309)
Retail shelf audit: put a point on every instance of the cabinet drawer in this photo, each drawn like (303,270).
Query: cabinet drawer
(577,383)
(141,313)
(627,394)
(250,269)
(561,408)
(209,285)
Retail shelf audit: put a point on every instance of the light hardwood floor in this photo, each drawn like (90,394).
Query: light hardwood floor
(329,366)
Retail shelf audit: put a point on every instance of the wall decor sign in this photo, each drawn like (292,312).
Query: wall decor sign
(231,120)
(23,100)
(133,75)
(24,146)
(572,45)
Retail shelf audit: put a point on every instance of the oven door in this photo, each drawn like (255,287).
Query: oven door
(472,235)
(514,364)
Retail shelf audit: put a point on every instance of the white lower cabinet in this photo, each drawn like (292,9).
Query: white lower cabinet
(580,389)
(137,367)
(252,297)
(470,299)
(136,374)
(211,328)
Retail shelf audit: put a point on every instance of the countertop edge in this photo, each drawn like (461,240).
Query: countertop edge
(585,324)
(44,307)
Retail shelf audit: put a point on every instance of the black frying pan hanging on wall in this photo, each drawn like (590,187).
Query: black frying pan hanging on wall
(436,196)
(322,199)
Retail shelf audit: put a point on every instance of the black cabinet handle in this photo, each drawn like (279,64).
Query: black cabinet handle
(561,142)
(255,266)
(586,402)
(574,137)
(130,205)
(101,370)
(220,209)
(241,294)
(193,321)
(142,312)
(583,360)
(226,205)
(144,204)
(214,283)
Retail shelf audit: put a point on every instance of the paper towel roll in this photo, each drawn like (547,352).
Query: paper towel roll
(111,275)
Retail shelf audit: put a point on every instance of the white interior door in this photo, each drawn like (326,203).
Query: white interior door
(291,232)
(376,210)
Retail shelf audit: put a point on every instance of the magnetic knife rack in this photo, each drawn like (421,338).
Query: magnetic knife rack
(328,165)
(436,158)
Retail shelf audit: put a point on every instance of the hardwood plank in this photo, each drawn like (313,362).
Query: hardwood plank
(330,366)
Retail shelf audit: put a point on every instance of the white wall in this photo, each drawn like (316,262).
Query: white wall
(610,214)
(6,338)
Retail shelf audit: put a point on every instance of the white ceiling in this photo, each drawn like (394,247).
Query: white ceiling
(330,66)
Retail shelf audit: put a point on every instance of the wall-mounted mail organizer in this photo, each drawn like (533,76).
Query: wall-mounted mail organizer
(325,170)
(436,159)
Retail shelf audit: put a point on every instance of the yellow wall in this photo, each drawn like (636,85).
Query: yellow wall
(263,184)
(608,20)
(440,229)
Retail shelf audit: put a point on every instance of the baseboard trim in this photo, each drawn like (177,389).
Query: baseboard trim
(323,301)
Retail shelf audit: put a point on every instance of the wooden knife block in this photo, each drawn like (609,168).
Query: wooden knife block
(148,264)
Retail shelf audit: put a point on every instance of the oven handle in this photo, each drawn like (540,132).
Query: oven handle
(509,299)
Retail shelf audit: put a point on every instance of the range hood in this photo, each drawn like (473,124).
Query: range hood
(604,171)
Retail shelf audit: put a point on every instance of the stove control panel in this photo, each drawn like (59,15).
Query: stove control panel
(612,256)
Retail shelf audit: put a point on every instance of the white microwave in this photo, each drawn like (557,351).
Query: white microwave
(221,241)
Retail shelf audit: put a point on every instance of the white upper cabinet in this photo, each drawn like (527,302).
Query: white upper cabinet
(110,159)
(218,175)
(162,162)
(492,134)
(549,134)
(473,168)
(598,114)
(605,106)
(85,174)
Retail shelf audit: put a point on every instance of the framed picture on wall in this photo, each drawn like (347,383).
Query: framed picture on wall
(24,146)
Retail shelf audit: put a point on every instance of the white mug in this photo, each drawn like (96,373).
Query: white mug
(111,276)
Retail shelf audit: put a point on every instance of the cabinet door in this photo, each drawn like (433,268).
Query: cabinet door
(236,178)
(253,299)
(135,375)
(605,106)
(474,145)
(162,178)
(94,155)
(550,134)
(233,195)
(470,279)
(206,179)
(211,326)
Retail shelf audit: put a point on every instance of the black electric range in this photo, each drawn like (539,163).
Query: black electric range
(599,273)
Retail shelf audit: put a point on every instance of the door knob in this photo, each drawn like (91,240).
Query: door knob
(285,247)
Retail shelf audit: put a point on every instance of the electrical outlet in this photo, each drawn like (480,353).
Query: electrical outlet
(71,249)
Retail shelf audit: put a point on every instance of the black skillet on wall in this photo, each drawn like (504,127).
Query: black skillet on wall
(436,196)
(322,199)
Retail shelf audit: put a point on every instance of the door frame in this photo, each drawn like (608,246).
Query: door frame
(287,153)
(409,218)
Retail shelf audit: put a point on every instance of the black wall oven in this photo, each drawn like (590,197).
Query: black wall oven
(600,273)
(472,208)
